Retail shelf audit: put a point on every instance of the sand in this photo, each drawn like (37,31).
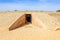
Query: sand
(43,28)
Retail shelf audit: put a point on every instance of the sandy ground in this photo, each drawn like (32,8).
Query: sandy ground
(43,28)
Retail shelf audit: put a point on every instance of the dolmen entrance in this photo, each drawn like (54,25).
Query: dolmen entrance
(23,20)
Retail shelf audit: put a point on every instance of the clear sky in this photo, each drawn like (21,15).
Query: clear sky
(49,5)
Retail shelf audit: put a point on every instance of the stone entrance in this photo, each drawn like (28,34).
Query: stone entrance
(23,20)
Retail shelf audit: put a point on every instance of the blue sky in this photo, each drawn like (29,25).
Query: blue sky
(49,5)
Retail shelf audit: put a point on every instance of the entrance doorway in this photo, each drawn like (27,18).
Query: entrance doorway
(28,18)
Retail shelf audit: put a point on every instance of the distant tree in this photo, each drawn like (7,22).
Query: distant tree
(41,11)
(58,11)
(15,10)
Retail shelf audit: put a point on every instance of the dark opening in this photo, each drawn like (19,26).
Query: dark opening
(28,18)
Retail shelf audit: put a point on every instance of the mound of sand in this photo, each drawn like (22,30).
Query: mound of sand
(34,31)
(47,21)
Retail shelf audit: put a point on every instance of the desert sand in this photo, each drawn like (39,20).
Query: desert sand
(45,26)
